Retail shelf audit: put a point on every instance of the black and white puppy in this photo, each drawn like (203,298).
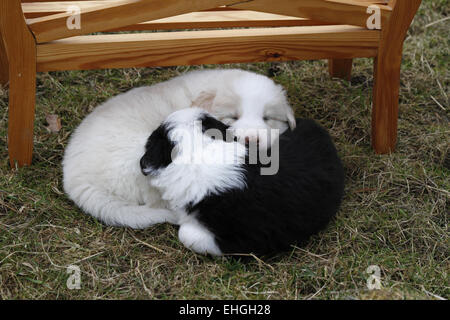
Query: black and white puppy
(225,205)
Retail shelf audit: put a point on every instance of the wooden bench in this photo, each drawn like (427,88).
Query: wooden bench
(35,38)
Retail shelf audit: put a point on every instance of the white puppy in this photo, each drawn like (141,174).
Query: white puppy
(101,169)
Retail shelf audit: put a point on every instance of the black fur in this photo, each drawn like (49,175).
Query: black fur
(209,123)
(281,210)
(273,212)
(158,150)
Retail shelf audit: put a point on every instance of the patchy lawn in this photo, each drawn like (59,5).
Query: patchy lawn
(394,215)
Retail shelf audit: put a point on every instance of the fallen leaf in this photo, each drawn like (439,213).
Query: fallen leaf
(54,123)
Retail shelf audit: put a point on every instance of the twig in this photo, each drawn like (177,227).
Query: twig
(432,294)
(437,102)
(254,257)
(149,245)
(436,22)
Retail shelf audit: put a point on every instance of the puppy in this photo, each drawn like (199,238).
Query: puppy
(224,204)
(101,172)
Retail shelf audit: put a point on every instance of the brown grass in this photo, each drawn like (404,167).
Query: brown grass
(394,215)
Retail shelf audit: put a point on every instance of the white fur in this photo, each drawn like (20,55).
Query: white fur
(250,99)
(196,237)
(101,167)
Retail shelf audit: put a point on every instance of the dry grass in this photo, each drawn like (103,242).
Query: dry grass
(394,215)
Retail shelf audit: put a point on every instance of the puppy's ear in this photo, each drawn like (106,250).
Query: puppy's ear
(205,100)
(291,118)
(158,151)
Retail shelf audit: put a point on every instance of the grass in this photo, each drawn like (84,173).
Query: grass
(394,215)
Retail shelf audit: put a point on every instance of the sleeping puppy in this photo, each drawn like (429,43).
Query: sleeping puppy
(249,103)
(101,162)
(224,204)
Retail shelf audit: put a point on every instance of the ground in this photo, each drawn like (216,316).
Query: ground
(394,214)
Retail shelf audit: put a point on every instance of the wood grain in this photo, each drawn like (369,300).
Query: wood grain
(373,1)
(20,44)
(387,76)
(110,16)
(330,11)
(221,19)
(44,8)
(200,47)
(4,69)
(195,20)
(36,9)
(340,68)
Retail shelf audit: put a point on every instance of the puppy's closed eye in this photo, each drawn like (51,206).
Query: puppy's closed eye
(229,120)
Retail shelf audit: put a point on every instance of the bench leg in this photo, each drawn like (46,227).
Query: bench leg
(20,46)
(22,95)
(385,104)
(387,76)
(340,68)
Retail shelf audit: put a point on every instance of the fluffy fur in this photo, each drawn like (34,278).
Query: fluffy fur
(101,170)
(228,206)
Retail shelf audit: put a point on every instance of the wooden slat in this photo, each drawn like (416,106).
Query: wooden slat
(330,11)
(110,16)
(45,8)
(221,19)
(214,47)
(35,9)
(25,1)
(216,19)
(373,1)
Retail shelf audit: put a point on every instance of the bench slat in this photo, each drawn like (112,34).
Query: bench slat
(330,11)
(105,17)
(220,19)
(210,47)
(109,16)
(40,9)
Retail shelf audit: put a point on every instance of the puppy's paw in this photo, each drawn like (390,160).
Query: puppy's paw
(196,237)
